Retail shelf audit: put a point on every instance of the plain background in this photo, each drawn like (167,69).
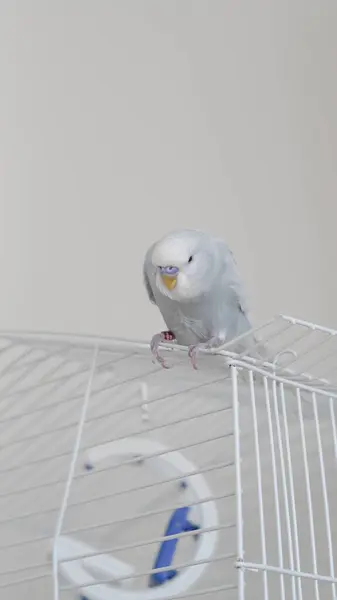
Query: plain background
(121,120)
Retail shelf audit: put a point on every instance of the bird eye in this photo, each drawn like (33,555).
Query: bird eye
(190,259)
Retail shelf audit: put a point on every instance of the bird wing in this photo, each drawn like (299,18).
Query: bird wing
(147,269)
(230,278)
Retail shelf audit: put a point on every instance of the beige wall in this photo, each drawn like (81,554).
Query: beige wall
(121,120)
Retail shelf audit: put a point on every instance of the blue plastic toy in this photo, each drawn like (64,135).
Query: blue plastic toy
(178,523)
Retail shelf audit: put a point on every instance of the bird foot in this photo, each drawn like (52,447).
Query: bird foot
(211,344)
(159,338)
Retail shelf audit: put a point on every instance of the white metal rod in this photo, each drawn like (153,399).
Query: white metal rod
(106,343)
(192,563)
(126,519)
(273,336)
(291,489)
(54,387)
(294,383)
(134,433)
(333,424)
(28,368)
(141,543)
(113,494)
(23,413)
(62,380)
(83,340)
(126,462)
(72,424)
(239,512)
(21,377)
(303,574)
(178,597)
(117,385)
(308,490)
(205,592)
(325,494)
(301,336)
(259,483)
(71,397)
(29,363)
(7,368)
(295,321)
(322,358)
(246,334)
(122,548)
(284,487)
(275,483)
(208,468)
(149,513)
(71,474)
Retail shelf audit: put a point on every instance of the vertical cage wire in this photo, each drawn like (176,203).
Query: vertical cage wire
(72,466)
(287,480)
(265,441)
(259,483)
(292,490)
(239,512)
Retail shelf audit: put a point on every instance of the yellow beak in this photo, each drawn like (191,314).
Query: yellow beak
(169,281)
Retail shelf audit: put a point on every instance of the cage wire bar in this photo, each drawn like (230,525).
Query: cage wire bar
(123,480)
(71,475)
(318,450)
(47,418)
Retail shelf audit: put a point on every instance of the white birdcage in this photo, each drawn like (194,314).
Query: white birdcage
(124,481)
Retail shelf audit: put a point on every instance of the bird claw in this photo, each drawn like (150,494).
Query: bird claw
(192,354)
(159,338)
(193,350)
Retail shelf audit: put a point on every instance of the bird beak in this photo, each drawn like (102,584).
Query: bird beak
(170,281)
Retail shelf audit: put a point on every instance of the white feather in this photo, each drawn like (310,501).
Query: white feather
(208,299)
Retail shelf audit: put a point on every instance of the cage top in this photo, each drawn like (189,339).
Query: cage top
(295,350)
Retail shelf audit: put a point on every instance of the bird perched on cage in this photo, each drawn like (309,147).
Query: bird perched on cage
(193,279)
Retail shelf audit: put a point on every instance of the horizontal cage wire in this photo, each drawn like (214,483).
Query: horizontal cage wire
(98,448)
(286,457)
(123,480)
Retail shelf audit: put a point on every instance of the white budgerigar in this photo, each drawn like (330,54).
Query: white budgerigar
(193,279)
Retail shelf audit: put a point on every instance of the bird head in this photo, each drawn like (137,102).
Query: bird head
(183,264)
